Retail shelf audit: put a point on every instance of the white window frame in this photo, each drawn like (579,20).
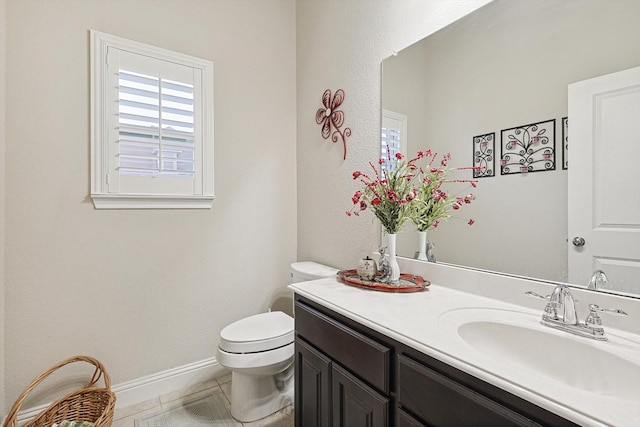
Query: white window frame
(397,122)
(103,134)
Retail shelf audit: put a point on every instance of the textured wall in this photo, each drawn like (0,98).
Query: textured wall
(143,291)
(3,63)
(340,44)
(148,291)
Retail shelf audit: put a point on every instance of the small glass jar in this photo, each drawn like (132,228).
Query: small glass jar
(367,268)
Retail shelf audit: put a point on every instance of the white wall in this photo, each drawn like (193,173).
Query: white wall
(341,45)
(143,291)
(2,192)
(61,254)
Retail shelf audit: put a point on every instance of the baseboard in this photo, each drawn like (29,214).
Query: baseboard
(150,387)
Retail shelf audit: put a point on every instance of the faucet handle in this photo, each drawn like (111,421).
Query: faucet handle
(551,309)
(593,308)
(594,323)
(533,294)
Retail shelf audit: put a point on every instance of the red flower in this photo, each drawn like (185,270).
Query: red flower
(399,156)
(471,221)
(392,195)
(376,201)
(356,197)
(439,195)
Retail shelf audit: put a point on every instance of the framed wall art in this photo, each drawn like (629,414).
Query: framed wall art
(528,148)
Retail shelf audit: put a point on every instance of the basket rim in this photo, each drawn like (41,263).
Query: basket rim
(99,372)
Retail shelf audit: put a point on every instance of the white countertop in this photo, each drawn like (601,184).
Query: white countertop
(419,321)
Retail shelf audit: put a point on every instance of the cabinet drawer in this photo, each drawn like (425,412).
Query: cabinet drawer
(441,402)
(363,356)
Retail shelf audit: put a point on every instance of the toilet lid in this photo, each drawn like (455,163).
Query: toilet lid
(265,331)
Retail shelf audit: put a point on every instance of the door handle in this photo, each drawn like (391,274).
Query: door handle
(578,241)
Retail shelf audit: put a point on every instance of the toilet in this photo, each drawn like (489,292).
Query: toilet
(259,351)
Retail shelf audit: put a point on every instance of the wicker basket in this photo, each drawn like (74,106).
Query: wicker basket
(93,404)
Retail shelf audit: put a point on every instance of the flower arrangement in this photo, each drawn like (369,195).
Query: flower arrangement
(433,203)
(389,193)
(408,191)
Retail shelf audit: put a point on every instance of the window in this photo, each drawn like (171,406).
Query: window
(152,126)
(394,138)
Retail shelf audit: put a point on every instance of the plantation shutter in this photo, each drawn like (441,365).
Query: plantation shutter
(390,146)
(393,138)
(155,125)
(155,140)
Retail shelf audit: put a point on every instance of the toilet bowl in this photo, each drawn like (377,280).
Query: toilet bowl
(259,351)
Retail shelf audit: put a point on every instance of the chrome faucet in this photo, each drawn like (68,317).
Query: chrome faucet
(597,277)
(560,313)
(561,306)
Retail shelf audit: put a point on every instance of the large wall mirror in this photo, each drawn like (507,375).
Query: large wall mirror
(508,64)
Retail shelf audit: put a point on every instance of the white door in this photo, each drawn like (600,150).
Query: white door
(604,180)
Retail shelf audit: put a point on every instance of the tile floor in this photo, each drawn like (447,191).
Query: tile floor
(125,417)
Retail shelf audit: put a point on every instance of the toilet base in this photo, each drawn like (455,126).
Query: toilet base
(256,396)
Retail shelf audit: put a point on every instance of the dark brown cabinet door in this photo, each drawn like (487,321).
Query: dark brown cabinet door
(313,387)
(406,420)
(354,404)
(440,402)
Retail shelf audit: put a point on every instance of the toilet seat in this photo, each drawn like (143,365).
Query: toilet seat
(261,332)
(268,362)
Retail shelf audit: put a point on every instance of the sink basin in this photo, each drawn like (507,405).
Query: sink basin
(518,340)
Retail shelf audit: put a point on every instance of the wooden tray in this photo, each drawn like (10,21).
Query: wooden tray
(406,283)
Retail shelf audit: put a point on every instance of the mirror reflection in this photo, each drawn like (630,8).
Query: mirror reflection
(506,65)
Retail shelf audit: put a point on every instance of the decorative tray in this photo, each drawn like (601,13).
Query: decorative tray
(406,283)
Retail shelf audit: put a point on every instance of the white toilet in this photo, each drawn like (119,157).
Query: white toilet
(259,352)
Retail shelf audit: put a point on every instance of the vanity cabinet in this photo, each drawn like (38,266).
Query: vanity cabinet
(348,375)
(342,376)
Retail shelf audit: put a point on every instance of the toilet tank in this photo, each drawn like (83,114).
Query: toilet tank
(309,270)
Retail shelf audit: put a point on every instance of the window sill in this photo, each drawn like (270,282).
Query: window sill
(137,201)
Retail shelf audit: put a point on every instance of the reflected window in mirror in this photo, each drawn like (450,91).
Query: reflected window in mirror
(393,137)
